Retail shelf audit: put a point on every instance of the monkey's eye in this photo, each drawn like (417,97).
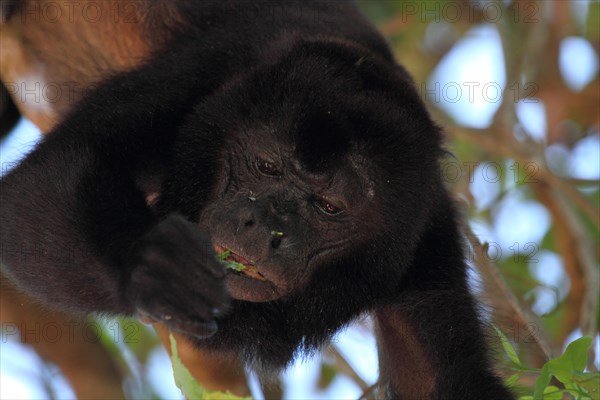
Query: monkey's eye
(327,207)
(267,167)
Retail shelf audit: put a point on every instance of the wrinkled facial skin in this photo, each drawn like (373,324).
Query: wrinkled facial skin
(279,219)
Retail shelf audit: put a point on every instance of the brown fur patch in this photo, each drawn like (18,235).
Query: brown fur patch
(404,357)
(53,51)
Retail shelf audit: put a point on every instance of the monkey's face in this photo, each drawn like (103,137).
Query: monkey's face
(318,155)
(278,214)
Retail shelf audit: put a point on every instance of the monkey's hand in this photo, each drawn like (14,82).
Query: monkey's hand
(177,280)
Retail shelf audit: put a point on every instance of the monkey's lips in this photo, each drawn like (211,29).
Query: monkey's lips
(244,281)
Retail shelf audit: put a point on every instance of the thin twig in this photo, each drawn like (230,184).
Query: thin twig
(369,391)
(344,367)
(494,277)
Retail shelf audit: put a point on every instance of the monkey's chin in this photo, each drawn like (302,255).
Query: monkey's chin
(246,288)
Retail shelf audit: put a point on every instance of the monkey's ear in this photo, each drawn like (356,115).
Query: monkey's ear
(7,8)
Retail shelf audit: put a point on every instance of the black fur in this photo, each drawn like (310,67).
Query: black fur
(9,114)
(7,8)
(311,87)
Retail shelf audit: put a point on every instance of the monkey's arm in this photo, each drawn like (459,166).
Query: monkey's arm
(431,341)
(72,210)
(431,347)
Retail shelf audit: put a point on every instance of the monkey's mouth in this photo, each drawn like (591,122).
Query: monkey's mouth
(236,264)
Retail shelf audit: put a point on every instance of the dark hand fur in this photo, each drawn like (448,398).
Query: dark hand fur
(78,234)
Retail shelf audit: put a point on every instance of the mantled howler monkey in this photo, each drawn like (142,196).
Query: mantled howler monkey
(285,134)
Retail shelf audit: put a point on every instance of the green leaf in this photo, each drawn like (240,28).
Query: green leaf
(590,382)
(592,25)
(511,380)
(573,360)
(577,352)
(236,266)
(328,374)
(183,377)
(223,255)
(508,348)
(541,382)
(190,388)
(553,393)
(567,368)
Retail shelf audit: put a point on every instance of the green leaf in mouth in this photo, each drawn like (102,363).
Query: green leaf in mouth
(234,265)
